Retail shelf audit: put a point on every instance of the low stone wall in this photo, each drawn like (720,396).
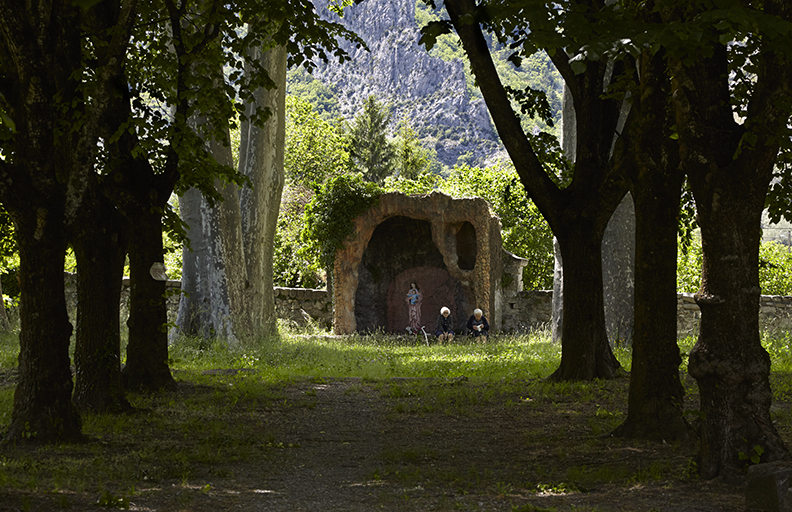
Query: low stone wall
(172,288)
(526,311)
(304,306)
(522,312)
(775,314)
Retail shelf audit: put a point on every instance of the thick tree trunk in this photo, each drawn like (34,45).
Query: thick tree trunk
(43,410)
(194,317)
(585,351)
(147,352)
(729,166)
(728,361)
(656,393)
(40,57)
(228,274)
(100,249)
(262,160)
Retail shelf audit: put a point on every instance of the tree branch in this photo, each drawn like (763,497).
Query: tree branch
(532,174)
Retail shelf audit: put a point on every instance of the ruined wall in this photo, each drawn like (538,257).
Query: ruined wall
(521,311)
(450,247)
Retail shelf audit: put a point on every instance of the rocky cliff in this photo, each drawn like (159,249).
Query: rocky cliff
(427,91)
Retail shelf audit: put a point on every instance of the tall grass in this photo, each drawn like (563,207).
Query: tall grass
(219,420)
(374,356)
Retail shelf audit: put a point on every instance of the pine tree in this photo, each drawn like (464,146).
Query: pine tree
(371,151)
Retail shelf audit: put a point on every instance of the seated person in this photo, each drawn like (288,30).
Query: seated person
(445,325)
(477,325)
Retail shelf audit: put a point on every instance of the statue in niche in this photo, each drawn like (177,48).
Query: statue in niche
(414,300)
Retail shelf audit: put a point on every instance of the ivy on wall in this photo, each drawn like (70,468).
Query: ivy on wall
(328,216)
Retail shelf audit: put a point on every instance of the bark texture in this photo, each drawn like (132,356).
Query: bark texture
(656,392)
(578,213)
(40,56)
(227,275)
(147,351)
(99,244)
(43,410)
(729,176)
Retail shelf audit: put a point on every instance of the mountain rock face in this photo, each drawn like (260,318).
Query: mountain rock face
(426,91)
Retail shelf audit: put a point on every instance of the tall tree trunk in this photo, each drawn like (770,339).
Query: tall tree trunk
(147,351)
(262,160)
(195,317)
(585,351)
(656,393)
(39,184)
(43,410)
(729,167)
(728,361)
(228,274)
(100,249)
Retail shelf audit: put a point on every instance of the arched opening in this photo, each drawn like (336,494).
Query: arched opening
(401,249)
(466,246)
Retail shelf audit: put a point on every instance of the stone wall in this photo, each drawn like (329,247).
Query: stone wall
(521,311)
(533,309)
(172,289)
(775,314)
(304,306)
(526,310)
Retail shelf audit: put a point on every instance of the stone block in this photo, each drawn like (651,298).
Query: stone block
(768,487)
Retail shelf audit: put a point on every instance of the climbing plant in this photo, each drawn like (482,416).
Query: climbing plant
(328,216)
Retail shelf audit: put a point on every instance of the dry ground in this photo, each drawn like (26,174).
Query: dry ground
(352,445)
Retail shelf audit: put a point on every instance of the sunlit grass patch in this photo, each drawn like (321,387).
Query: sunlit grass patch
(9,349)
(374,356)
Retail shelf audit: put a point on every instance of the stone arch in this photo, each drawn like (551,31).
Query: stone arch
(397,244)
(356,307)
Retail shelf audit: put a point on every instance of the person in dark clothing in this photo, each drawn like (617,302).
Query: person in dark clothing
(445,325)
(477,326)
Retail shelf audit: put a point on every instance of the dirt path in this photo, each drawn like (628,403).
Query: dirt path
(413,446)
(356,448)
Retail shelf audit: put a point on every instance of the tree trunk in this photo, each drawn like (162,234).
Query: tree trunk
(195,317)
(43,410)
(656,393)
(227,277)
(729,166)
(39,184)
(585,351)
(728,361)
(147,352)
(100,249)
(262,160)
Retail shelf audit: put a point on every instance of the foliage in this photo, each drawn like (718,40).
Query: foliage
(411,159)
(423,184)
(323,98)
(290,268)
(689,260)
(524,230)
(315,148)
(775,268)
(371,150)
(328,216)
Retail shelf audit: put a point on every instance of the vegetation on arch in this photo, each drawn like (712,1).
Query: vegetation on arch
(328,216)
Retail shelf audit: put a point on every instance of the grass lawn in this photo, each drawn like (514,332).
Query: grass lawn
(249,409)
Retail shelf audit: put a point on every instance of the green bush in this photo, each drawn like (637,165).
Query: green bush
(775,268)
(328,216)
